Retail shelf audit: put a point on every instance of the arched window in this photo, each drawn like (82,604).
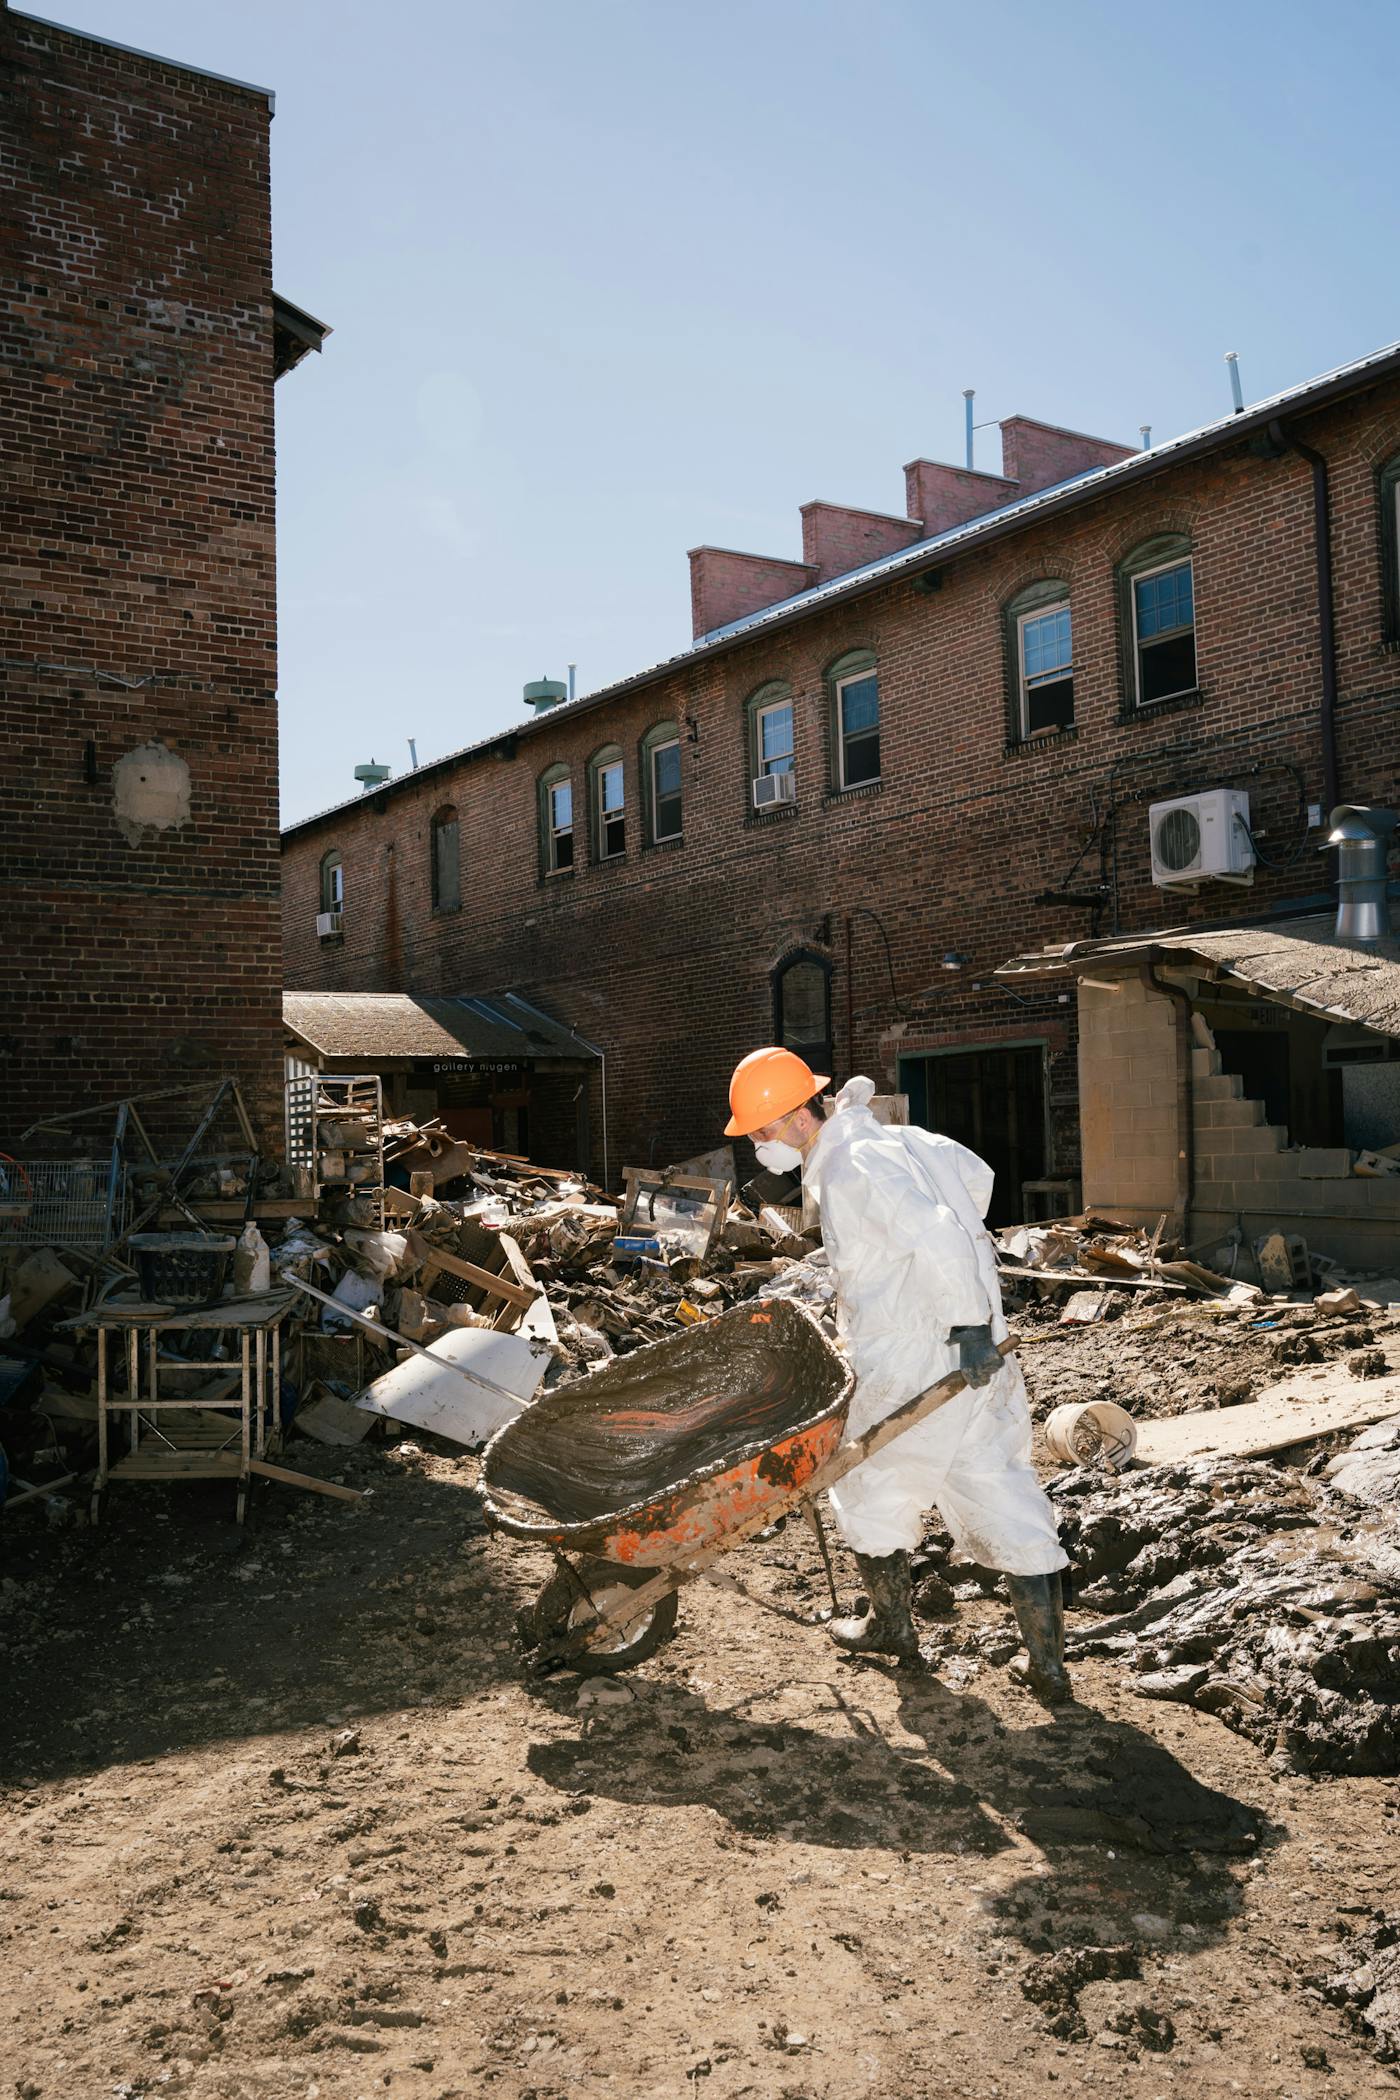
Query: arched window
(853,708)
(332,881)
(1390,549)
(556,821)
(770,727)
(445,866)
(802,1007)
(1038,635)
(1157,621)
(661,784)
(607,803)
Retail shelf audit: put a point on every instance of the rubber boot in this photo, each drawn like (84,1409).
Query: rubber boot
(886,1627)
(1040,1613)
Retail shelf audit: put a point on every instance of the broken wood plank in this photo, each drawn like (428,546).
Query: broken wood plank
(332,1488)
(484,1279)
(1082,1276)
(1292,1412)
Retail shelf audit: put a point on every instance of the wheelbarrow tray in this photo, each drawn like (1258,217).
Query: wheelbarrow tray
(661,1451)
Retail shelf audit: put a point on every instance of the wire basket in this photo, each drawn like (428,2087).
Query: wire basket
(181,1268)
(60,1202)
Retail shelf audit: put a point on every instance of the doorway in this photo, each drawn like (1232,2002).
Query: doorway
(992,1101)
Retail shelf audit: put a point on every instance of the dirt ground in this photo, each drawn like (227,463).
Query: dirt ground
(750,1868)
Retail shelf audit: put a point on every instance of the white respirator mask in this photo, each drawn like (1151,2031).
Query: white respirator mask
(778,1157)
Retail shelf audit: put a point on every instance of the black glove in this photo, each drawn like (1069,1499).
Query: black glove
(979,1359)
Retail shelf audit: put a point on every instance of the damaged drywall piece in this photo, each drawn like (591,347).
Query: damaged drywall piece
(446,1397)
(150,792)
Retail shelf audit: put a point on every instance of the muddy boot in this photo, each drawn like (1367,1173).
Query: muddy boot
(1040,1614)
(886,1627)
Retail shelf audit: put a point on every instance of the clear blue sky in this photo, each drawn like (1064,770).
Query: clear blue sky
(610,278)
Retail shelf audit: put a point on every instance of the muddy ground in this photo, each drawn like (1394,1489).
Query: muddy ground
(283,1817)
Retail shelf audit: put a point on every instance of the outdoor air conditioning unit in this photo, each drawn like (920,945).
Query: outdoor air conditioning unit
(328,923)
(1201,838)
(771,789)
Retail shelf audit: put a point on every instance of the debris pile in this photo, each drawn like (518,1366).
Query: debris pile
(1255,1593)
(1360,1972)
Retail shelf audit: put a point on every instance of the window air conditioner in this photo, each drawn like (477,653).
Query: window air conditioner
(772,788)
(328,923)
(1201,838)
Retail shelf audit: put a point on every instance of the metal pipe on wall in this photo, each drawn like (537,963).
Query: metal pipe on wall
(1326,612)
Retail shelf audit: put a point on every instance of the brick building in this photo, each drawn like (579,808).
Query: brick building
(138,807)
(864,787)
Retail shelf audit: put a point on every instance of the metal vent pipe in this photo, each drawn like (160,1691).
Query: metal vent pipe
(1362,839)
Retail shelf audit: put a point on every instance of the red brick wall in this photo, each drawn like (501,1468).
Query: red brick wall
(664,957)
(136,423)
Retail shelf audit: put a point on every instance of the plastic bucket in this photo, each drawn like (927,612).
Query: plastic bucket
(1092,1433)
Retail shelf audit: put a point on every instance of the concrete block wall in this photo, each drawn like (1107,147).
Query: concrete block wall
(1247,1174)
(1128,1101)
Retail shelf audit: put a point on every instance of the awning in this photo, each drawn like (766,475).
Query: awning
(1293,962)
(376,1026)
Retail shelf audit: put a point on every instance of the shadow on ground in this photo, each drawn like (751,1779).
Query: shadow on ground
(169,1627)
(1134,1848)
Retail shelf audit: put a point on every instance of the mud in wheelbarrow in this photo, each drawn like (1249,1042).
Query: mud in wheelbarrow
(644,1463)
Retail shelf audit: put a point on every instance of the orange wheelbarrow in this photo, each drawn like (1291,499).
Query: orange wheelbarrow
(640,1476)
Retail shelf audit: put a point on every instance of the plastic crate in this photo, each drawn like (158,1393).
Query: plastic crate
(181,1268)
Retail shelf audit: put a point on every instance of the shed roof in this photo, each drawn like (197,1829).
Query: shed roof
(1294,962)
(379,1025)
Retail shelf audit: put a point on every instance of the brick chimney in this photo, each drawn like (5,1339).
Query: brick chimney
(726,585)
(944,496)
(836,540)
(1037,455)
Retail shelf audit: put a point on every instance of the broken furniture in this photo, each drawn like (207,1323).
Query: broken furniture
(685,1212)
(1042,1201)
(335,1134)
(219,1432)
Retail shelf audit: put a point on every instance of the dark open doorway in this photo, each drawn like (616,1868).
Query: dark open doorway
(992,1101)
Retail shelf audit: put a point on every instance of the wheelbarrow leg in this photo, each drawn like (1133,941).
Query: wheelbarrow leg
(814,1518)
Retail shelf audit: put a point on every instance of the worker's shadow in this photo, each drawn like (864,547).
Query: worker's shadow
(1131,1847)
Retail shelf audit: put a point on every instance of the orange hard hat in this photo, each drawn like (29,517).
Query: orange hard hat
(768,1084)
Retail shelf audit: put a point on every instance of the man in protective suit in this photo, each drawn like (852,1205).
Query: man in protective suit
(902,1218)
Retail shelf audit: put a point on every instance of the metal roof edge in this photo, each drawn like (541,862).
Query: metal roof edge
(925,555)
(177,65)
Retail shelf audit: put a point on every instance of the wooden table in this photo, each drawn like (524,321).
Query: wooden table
(215,1436)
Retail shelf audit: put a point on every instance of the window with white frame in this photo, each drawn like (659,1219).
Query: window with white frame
(666,791)
(332,882)
(559,826)
(1164,632)
(858,729)
(611,791)
(1045,669)
(773,733)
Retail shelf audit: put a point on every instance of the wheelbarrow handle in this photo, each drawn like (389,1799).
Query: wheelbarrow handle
(908,1415)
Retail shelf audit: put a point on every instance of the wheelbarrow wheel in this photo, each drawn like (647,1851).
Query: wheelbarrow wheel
(571,1597)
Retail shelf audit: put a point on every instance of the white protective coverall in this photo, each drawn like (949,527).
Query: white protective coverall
(901,1212)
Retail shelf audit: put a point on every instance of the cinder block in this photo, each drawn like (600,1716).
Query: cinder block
(1220,1086)
(1325,1163)
(1204,1064)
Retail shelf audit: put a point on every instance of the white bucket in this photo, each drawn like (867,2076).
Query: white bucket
(1094,1432)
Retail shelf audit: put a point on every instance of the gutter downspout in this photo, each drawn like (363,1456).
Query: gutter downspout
(1185,1097)
(1326,618)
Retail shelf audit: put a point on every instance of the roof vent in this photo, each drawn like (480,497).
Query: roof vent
(373,775)
(544,693)
(1362,839)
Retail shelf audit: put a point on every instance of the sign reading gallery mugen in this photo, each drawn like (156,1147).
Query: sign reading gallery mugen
(472,1067)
